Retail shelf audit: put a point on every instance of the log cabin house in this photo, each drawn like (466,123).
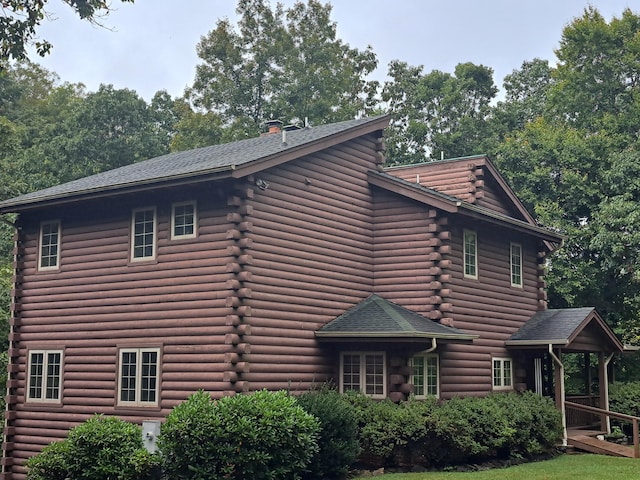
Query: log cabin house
(278,262)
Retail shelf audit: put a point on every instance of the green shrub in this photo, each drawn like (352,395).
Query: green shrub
(338,437)
(102,448)
(624,398)
(265,435)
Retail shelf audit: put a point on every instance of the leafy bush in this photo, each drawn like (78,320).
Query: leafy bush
(265,435)
(624,398)
(387,430)
(102,448)
(338,438)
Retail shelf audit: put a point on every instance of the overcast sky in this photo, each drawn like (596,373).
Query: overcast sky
(151,45)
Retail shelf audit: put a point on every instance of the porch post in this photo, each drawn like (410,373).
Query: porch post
(559,390)
(603,363)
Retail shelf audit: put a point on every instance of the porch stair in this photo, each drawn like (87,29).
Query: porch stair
(586,441)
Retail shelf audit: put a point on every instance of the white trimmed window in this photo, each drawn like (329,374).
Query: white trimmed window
(183,220)
(143,234)
(425,375)
(45,376)
(49,258)
(364,372)
(470,254)
(138,381)
(502,374)
(516,265)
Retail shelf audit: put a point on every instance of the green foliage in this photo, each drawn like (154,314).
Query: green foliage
(265,435)
(624,397)
(338,437)
(102,448)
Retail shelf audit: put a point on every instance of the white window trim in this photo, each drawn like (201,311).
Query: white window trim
(511,265)
(137,402)
(133,234)
(464,254)
(173,220)
(363,373)
(502,361)
(45,365)
(427,356)
(42,268)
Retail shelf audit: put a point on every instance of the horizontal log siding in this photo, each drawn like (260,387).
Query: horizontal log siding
(488,307)
(98,301)
(402,252)
(492,198)
(310,261)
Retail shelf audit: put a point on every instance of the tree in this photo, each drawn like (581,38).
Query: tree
(21,18)
(437,113)
(285,64)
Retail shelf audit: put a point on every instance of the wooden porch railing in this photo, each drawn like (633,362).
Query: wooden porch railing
(622,416)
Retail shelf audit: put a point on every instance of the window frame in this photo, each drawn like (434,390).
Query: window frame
(41,246)
(362,374)
(138,403)
(154,241)
(176,205)
(425,374)
(501,362)
(466,254)
(45,377)
(515,266)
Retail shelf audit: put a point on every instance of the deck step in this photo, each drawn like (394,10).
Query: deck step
(601,447)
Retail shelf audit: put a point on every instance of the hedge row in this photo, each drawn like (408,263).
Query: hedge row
(318,435)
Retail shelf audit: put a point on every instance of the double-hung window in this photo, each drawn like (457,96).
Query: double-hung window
(424,375)
(45,376)
(470,253)
(138,380)
(143,234)
(502,373)
(49,258)
(516,265)
(183,220)
(364,372)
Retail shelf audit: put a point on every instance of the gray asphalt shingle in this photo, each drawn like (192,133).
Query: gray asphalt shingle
(552,325)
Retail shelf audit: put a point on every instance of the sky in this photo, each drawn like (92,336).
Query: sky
(150,45)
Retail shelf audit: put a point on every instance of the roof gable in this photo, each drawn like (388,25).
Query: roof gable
(474,180)
(234,159)
(376,317)
(563,327)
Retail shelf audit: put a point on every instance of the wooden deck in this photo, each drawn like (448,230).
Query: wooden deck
(586,440)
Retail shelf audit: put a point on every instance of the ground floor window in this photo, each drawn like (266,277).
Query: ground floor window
(364,372)
(502,374)
(138,379)
(45,376)
(424,375)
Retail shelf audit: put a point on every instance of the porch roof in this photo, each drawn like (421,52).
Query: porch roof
(378,319)
(577,329)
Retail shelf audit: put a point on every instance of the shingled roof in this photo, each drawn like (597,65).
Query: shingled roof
(560,327)
(230,159)
(376,317)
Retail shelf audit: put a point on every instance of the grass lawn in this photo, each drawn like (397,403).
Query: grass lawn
(564,467)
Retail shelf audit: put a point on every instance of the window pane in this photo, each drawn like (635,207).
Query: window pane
(516,264)
(143,233)
(53,375)
(432,375)
(374,366)
(49,245)
(183,220)
(149,376)
(350,373)
(497,374)
(470,245)
(507,373)
(36,375)
(128,377)
(418,379)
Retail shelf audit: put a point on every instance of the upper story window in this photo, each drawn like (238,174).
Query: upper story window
(45,376)
(425,375)
(502,374)
(364,372)
(516,265)
(470,254)
(138,380)
(183,220)
(143,234)
(49,258)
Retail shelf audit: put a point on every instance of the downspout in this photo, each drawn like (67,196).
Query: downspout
(562,406)
(605,384)
(433,346)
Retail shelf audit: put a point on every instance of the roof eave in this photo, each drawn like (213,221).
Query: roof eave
(394,335)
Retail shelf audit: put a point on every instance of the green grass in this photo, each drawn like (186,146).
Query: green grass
(564,467)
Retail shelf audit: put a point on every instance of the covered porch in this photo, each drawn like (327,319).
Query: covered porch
(543,345)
